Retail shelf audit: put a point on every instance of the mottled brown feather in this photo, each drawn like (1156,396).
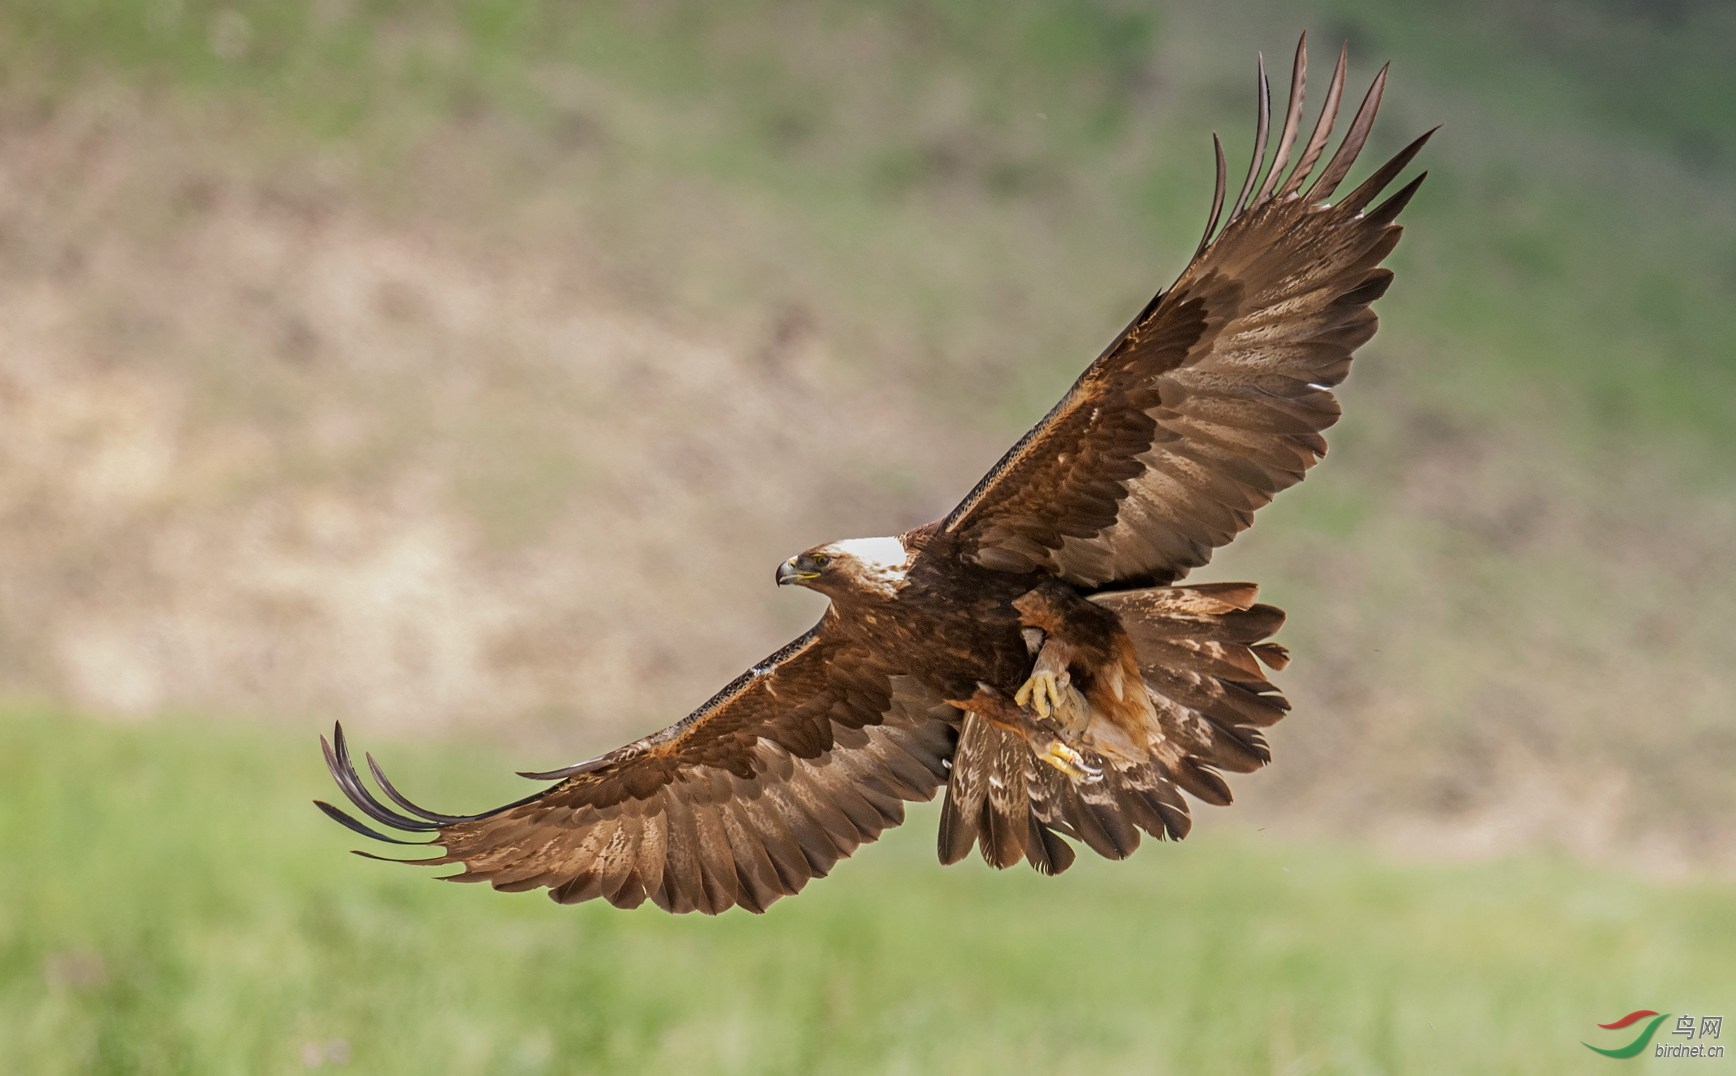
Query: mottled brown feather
(793,766)
(1214,399)
(1202,651)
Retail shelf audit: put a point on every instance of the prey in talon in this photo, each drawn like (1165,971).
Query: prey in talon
(1048,740)
(1049,689)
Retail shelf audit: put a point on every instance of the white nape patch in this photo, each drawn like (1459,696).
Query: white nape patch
(880,563)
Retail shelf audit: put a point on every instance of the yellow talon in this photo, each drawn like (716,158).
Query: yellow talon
(1042,692)
(1069,761)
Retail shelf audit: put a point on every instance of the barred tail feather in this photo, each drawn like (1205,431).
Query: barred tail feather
(1203,652)
(1015,807)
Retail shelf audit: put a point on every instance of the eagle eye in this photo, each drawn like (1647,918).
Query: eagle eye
(820,560)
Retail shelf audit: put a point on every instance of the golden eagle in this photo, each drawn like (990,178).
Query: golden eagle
(1030,652)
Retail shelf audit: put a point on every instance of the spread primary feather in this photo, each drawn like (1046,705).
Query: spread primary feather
(1066,556)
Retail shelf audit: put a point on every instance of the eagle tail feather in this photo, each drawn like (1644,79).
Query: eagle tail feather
(1203,653)
(1015,807)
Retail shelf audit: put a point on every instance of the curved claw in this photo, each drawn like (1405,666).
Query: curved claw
(1042,692)
(1070,762)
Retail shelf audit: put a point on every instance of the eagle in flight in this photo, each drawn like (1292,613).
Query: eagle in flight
(1031,652)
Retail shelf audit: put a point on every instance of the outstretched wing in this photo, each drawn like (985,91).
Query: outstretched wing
(1214,398)
(784,772)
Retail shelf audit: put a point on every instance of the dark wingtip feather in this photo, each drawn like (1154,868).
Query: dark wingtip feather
(1217,195)
(399,798)
(1354,139)
(1368,291)
(1322,126)
(1374,184)
(1262,130)
(349,780)
(343,771)
(1388,211)
(430,861)
(564,772)
(354,826)
(1292,120)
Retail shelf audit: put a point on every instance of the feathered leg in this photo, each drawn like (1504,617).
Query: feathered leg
(1050,692)
(1047,738)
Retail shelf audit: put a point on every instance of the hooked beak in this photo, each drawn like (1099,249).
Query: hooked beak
(788,573)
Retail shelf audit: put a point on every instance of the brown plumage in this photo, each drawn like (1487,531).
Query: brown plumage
(1029,652)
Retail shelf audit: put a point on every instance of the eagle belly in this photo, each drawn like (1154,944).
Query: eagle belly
(976,637)
(953,626)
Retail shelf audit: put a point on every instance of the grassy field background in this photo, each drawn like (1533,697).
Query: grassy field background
(461,370)
(173,904)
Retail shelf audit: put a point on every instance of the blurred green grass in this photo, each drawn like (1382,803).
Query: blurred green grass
(172,903)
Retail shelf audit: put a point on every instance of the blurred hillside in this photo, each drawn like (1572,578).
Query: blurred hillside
(474,365)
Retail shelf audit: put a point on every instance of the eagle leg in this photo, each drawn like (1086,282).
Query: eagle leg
(1066,758)
(1050,692)
(1042,692)
(1046,738)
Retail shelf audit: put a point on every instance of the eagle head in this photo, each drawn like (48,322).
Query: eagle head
(874,565)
